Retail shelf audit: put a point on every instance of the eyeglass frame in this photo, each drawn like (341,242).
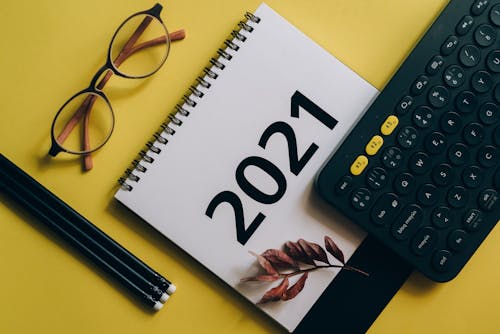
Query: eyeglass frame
(93,88)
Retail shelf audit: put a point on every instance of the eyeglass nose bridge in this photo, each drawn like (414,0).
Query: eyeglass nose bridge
(95,84)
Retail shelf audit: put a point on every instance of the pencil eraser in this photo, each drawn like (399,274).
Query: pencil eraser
(164,297)
(157,306)
(171,289)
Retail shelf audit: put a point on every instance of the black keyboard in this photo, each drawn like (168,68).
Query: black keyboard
(421,169)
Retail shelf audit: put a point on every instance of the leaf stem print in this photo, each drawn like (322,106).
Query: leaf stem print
(286,263)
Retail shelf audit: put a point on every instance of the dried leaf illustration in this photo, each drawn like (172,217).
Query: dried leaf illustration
(288,260)
(264,263)
(333,249)
(275,293)
(279,258)
(313,251)
(297,253)
(319,252)
(261,278)
(294,290)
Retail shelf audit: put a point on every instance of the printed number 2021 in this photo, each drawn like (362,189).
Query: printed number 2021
(296,165)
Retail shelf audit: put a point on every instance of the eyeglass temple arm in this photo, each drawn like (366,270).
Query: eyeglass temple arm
(87,158)
(176,35)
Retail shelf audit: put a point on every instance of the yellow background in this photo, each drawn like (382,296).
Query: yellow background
(51,48)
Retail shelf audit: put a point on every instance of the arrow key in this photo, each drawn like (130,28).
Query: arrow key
(442,217)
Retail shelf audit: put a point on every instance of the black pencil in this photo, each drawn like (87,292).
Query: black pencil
(88,228)
(15,185)
(92,245)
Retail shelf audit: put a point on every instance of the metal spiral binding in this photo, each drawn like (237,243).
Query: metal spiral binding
(189,101)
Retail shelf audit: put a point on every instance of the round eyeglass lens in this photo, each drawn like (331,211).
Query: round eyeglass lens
(83,124)
(140,46)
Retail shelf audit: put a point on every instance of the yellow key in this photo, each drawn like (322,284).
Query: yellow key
(359,165)
(389,125)
(374,145)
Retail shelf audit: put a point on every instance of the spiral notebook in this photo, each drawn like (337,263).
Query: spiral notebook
(228,178)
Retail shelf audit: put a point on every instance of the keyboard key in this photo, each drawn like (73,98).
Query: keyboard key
(488,156)
(497,179)
(472,220)
(489,113)
(404,183)
(488,199)
(361,198)
(449,45)
(419,163)
(374,145)
(457,197)
(464,25)
(422,117)
(495,15)
(485,35)
(404,106)
(407,222)
(496,136)
(435,143)
(493,61)
(407,137)
(478,7)
(472,177)
(359,165)
(469,55)
(442,260)
(376,178)
(458,154)
(385,209)
(390,123)
(424,241)
(442,174)
(457,240)
(451,122)
(466,102)
(428,195)
(473,133)
(442,217)
(454,76)
(344,184)
(434,65)
(438,96)
(419,85)
(481,81)
(392,157)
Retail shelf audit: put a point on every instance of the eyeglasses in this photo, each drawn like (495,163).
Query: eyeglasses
(138,49)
